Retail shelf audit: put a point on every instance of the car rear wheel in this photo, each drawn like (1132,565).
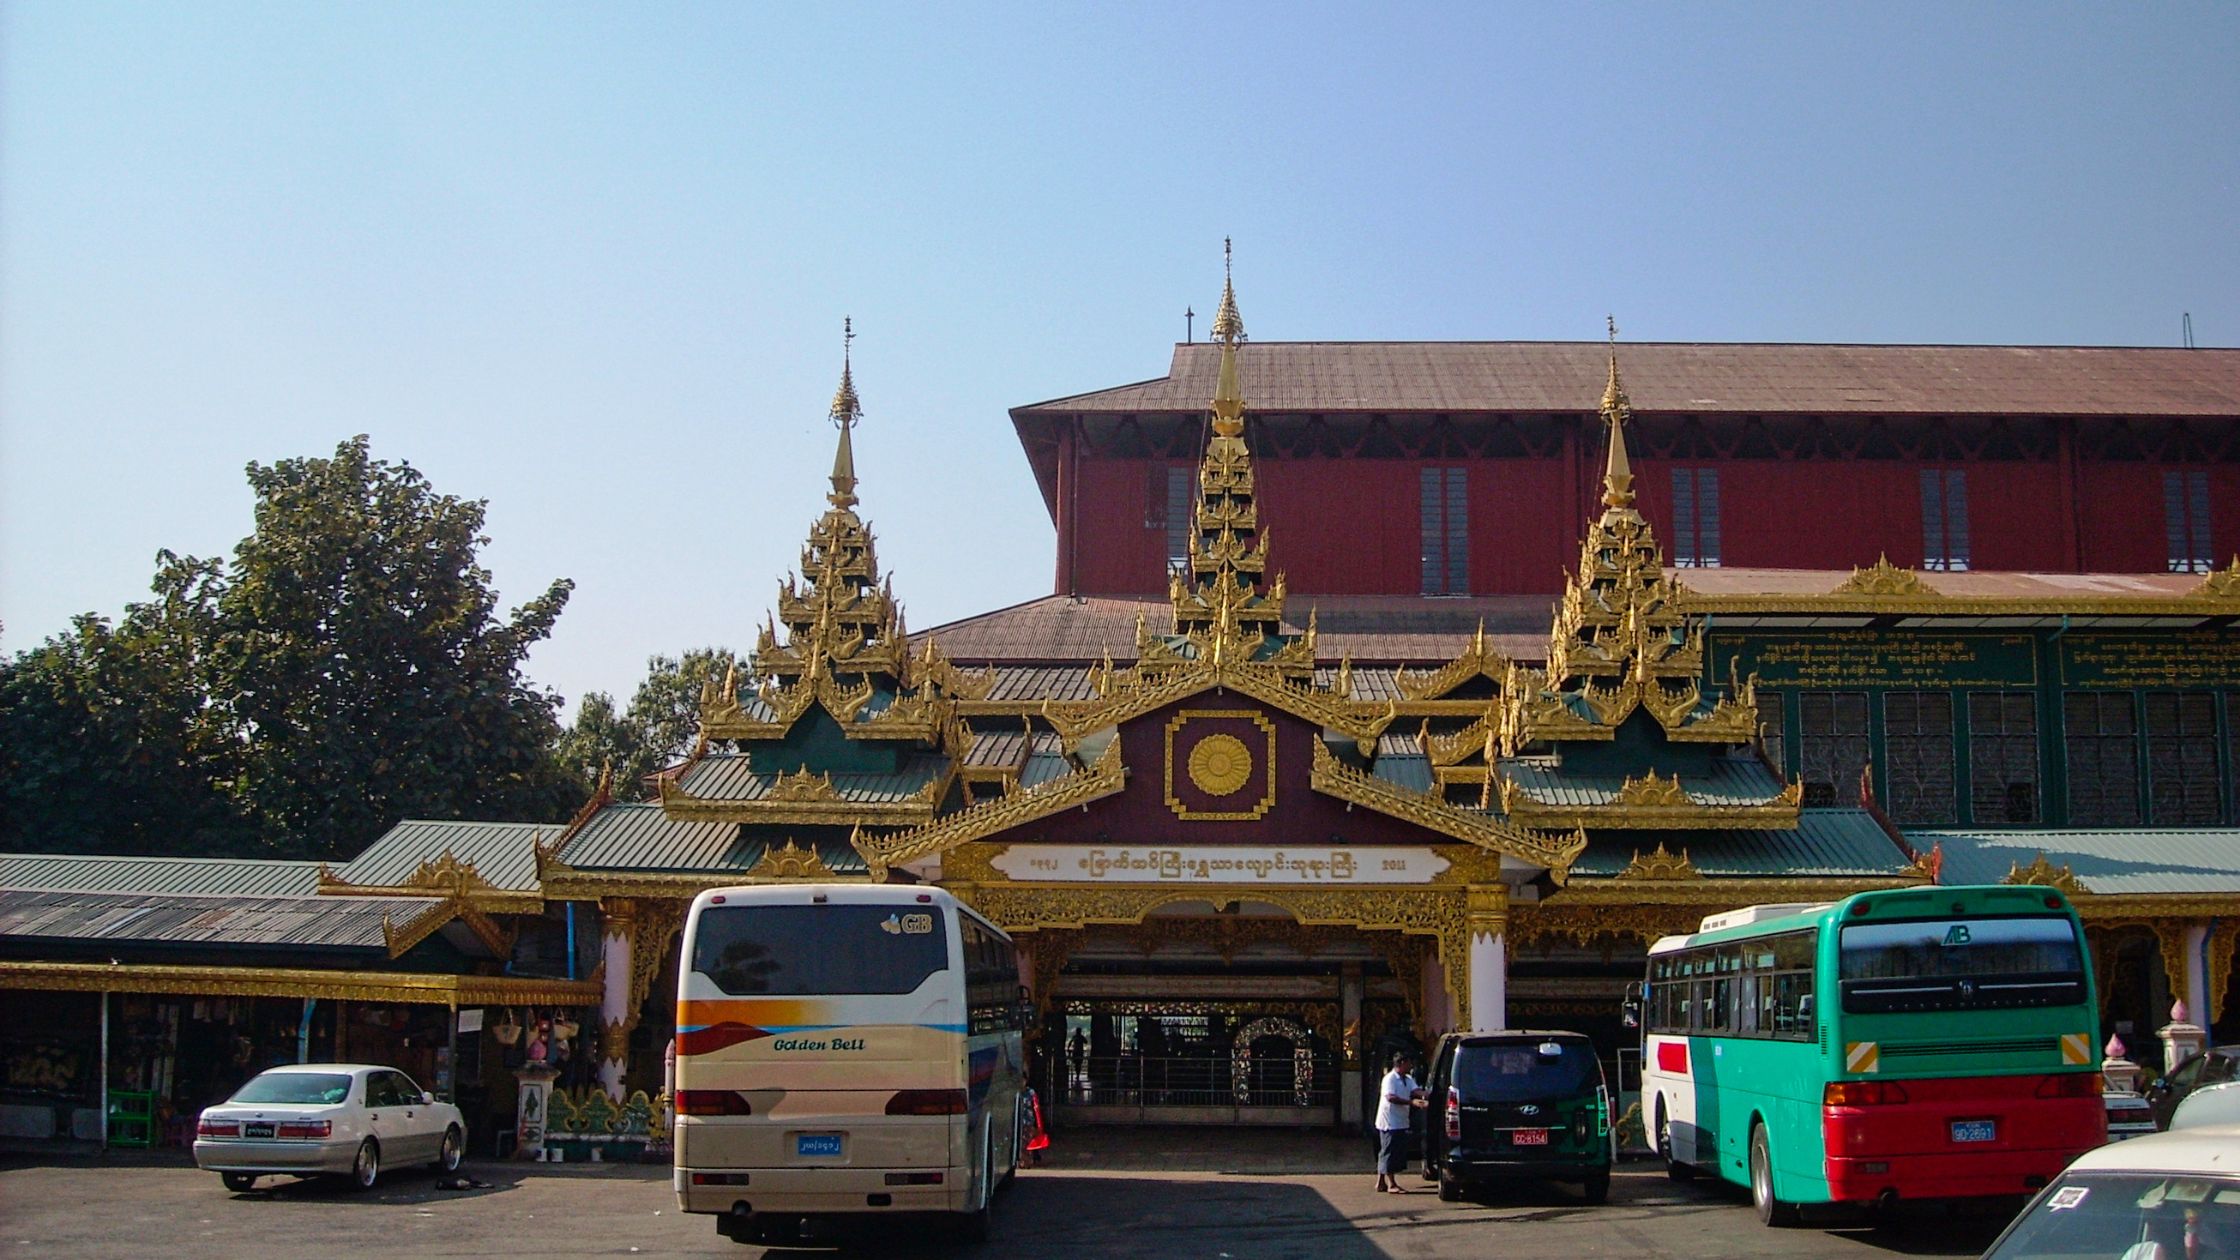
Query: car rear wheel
(366,1169)
(239,1182)
(1450,1186)
(454,1145)
(1673,1168)
(1771,1211)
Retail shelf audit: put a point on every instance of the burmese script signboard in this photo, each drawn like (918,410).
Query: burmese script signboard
(2194,658)
(1322,865)
(1853,659)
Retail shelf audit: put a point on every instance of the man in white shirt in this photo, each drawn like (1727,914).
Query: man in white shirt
(1396,1095)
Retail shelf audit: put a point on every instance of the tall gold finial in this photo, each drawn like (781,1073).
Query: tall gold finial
(1617,478)
(846,411)
(1228,326)
(1228,329)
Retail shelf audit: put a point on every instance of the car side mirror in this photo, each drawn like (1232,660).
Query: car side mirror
(427,1099)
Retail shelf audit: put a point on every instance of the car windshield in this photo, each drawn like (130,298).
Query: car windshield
(317,1089)
(1517,1071)
(2129,1216)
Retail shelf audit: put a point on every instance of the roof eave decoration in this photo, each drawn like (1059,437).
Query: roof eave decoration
(1650,803)
(1884,588)
(790,862)
(1476,661)
(1660,865)
(805,798)
(2043,873)
(1334,778)
(881,853)
(399,940)
(1131,694)
(446,876)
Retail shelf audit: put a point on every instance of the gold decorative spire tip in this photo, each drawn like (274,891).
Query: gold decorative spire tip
(847,410)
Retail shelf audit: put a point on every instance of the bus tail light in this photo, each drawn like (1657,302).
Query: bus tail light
(2071,1085)
(927,1102)
(712,1102)
(1454,1114)
(1862,1094)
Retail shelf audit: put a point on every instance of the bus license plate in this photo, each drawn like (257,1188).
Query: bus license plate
(816,1145)
(1530,1137)
(1975,1130)
(254,1129)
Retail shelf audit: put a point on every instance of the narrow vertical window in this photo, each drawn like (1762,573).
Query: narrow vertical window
(1831,745)
(1179,517)
(2182,759)
(1695,518)
(2185,514)
(1770,730)
(2101,738)
(1445,504)
(2003,757)
(1917,738)
(1944,519)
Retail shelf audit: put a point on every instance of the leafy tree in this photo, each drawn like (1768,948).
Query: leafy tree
(656,730)
(345,670)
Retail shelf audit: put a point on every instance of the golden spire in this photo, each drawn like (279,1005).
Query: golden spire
(846,411)
(1228,329)
(1617,478)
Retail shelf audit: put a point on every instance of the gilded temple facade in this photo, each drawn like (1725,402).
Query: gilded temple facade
(1250,841)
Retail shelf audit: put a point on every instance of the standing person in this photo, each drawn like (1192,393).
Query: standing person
(1397,1095)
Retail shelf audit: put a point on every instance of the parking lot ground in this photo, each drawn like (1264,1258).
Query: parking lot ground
(1094,1199)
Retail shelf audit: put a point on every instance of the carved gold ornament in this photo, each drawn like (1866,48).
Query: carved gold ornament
(1885,578)
(1226,767)
(1220,765)
(2043,873)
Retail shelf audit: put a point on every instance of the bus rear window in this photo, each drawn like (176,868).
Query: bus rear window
(820,950)
(1956,964)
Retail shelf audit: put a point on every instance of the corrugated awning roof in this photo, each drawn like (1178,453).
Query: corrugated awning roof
(503,853)
(2131,860)
(203,876)
(173,919)
(1826,843)
(638,836)
(1727,781)
(731,777)
(1369,628)
(1685,377)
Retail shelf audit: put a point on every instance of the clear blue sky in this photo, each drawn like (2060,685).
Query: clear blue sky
(589,262)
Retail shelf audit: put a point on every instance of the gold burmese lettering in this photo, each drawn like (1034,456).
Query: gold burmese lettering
(1172,864)
(1877,658)
(2162,661)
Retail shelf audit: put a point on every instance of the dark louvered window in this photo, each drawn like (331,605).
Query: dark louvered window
(2101,738)
(2003,757)
(1917,738)
(1944,519)
(1446,531)
(1695,518)
(1831,745)
(2185,515)
(2182,759)
(1179,516)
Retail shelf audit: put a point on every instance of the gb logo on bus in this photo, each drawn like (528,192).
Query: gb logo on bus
(907,924)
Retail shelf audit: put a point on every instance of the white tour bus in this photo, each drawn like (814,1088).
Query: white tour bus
(845,1050)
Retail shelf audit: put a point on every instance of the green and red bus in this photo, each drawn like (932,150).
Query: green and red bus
(1911,1043)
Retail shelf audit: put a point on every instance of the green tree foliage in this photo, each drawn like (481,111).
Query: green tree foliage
(655,731)
(346,670)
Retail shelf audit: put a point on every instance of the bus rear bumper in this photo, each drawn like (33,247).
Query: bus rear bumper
(1975,1175)
(816,1191)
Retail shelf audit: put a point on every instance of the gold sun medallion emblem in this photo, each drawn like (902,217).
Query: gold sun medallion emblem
(1220,765)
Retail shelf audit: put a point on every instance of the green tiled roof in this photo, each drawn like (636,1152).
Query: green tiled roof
(731,777)
(2130,860)
(639,837)
(503,853)
(212,877)
(1729,781)
(1825,844)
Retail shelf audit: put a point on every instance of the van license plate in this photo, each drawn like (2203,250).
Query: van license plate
(253,1129)
(815,1145)
(1975,1130)
(1530,1137)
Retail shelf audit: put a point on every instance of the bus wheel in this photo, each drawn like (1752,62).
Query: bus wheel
(1771,1211)
(1673,1168)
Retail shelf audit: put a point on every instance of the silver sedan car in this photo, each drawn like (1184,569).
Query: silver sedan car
(347,1118)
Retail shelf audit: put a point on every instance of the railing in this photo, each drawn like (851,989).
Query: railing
(1299,1082)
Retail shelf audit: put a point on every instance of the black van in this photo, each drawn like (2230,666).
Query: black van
(1517,1105)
